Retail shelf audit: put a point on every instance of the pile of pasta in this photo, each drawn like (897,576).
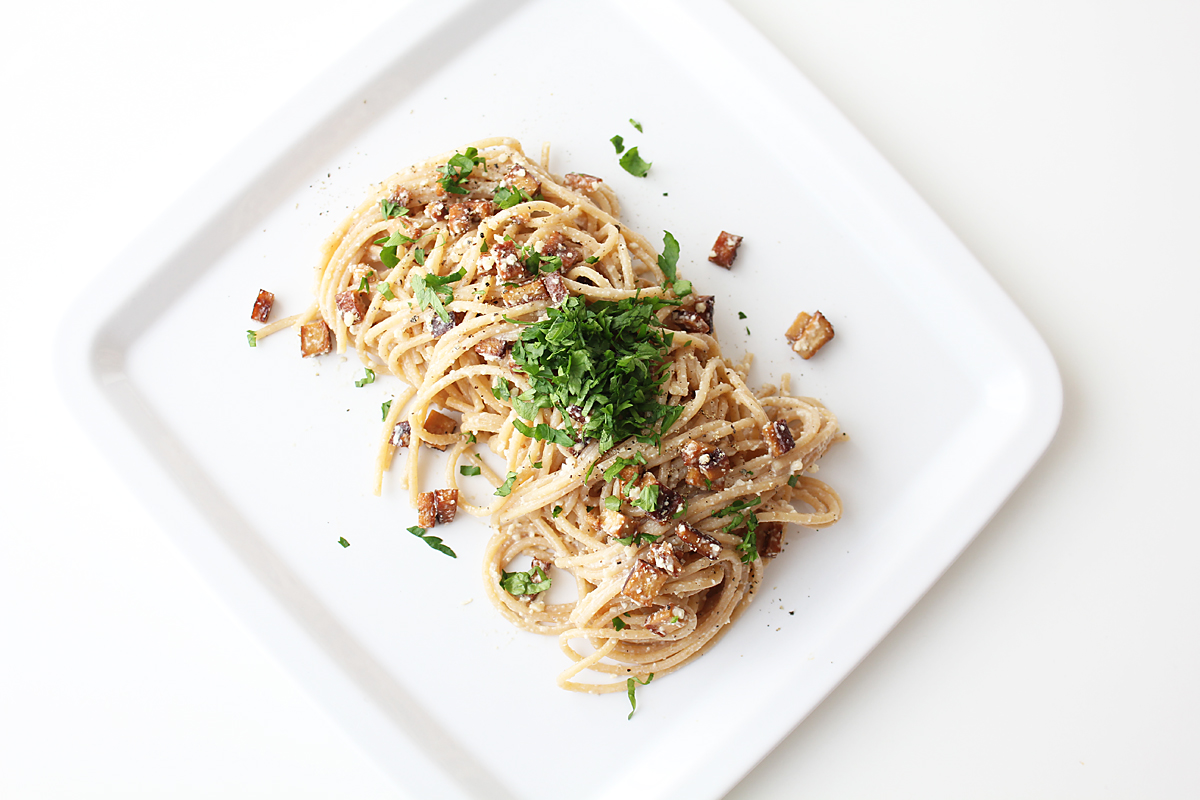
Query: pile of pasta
(704,556)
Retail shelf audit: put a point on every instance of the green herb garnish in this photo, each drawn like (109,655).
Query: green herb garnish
(543,432)
(469,471)
(636,124)
(669,257)
(518,583)
(631,684)
(607,358)
(506,488)
(363,286)
(618,142)
(432,541)
(369,377)
(612,503)
(385,408)
(459,167)
(792,480)
(741,315)
(389,244)
(252,338)
(741,514)
(634,164)
(557,510)
(507,197)
(386,290)
(621,463)
(419,256)
(638,538)
(618,623)
(433,292)
(342,541)
(390,208)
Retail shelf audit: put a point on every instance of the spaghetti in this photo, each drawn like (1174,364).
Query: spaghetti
(455,270)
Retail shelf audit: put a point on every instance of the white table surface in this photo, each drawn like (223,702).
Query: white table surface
(1059,657)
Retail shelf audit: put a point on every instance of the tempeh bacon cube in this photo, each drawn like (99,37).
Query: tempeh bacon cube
(644,583)
(809,333)
(778,437)
(724,250)
(315,338)
(262,306)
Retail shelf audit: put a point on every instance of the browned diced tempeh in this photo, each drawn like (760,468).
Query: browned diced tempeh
(445,505)
(352,305)
(697,541)
(402,197)
(644,582)
(437,210)
(624,484)
(702,304)
(707,464)
(581,181)
(669,504)
(612,524)
(426,510)
(684,319)
(437,422)
(401,434)
(519,177)
(724,251)
(492,349)
(809,333)
(466,214)
(262,306)
(558,246)
(555,288)
(505,259)
(315,338)
(661,555)
(666,620)
(525,293)
(778,437)
(439,327)
(769,539)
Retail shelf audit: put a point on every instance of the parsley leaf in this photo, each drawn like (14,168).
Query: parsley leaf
(506,488)
(634,164)
(252,338)
(792,480)
(739,510)
(636,124)
(621,463)
(342,541)
(638,538)
(507,197)
(385,408)
(431,289)
(432,541)
(612,503)
(389,245)
(618,623)
(647,498)
(543,432)
(469,471)
(741,315)
(386,290)
(419,256)
(618,142)
(365,379)
(519,583)
(682,288)
(459,167)
(630,685)
(669,257)
(390,208)
(363,286)
(557,510)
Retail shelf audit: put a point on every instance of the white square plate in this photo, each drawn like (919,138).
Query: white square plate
(258,461)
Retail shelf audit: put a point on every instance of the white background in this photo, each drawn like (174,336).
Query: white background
(1058,657)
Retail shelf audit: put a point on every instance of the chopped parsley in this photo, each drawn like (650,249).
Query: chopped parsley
(647,498)
(741,514)
(531,582)
(433,292)
(607,358)
(390,208)
(471,437)
(469,471)
(506,488)
(507,197)
(458,168)
(682,288)
(636,124)
(792,480)
(631,685)
(342,541)
(638,538)
(365,379)
(544,433)
(419,256)
(618,142)
(741,315)
(386,290)
(557,510)
(388,252)
(385,408)
(621,463)
(618,623)
(612,503)
(252,338)
(432,541)
(363,286)
(634,164)
(669,257)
